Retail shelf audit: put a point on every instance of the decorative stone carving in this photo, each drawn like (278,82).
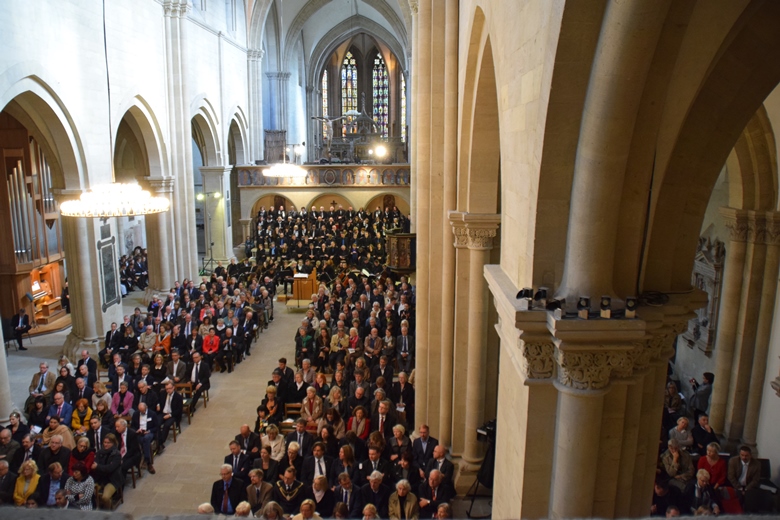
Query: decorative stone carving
(162,186)
(255,54)
(414,6)
(461,236)
(480,238)
(737,223)
(772,236)
(175,8)
(589,370)
(707,276)
(538,359)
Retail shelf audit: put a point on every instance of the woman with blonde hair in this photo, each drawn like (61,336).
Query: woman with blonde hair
(26,483)
(101,394)
(275,441)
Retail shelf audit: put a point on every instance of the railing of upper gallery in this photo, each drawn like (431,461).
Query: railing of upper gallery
(331,175)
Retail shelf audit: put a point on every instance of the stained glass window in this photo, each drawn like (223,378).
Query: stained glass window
(324,101)
(381,89)
(349,95)
(403,108)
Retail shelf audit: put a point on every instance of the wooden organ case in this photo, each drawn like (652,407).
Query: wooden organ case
(31,264)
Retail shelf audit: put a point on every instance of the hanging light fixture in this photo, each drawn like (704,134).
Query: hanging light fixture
(114,199)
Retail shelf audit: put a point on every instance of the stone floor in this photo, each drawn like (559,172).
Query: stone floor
(187,468)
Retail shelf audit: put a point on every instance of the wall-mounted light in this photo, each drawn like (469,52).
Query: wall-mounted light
(606,307)
(583,307)
(631,305)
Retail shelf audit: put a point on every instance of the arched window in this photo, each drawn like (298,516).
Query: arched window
(349,95)
(403,108)
(380,89)
(324,100)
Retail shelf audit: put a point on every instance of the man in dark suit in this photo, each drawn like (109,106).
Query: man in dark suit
(199,375)
(357,444)
(249,442)
(83,391)
(21,325)
(239,462)
(176,369)
(111,342)
(146,426)
(129,447)
(96,433)
(422,447)
(439,462)
(282,388)
(288,492)
(375,462)
(29,450)
(52,481)
(433,492)
(404,346)
(55,452)
(228,492)
(316,464)
(86,359)
(382,369)
(288,376)
(145,394)
(384,419)
(171,407)
(402,395)
(349,493)
(377,493)
(7,482)
(302,437)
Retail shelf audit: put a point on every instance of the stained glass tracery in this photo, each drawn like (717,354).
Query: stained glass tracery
(324,100)
(349,78)
(381,91)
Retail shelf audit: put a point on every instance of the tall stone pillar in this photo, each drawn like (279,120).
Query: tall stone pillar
(159,234)
(7,405)
(731,296)
(255,86)
(180,142)
(620,66)
(450,181)
(411,88)
(278,82)
(95,300)
(422,171)
(747,321)
(246,228)
(589,353)
(480,231)
(763,327)
(216,179)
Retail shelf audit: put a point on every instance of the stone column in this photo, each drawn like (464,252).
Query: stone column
(278,95)
(619,69)
(411,89)
(159,231)
(460,326)
(216,179)
(731,297)
(764,327)
(589,353)
(450,178)
(421,217)
(255,66)
(246,228)
(749,310)
(6,400)
(180,142)
(480,231)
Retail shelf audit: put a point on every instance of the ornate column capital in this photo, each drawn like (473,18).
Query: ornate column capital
(414,6)
(772,236)
(176,8)
(737,222)
(278,75)
(458,229)
(255,54)
(592,369)
(162,185)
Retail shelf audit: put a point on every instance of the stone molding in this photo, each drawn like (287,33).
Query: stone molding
(736,221)
(592,369)
(163,185)
(283,76)
(538,359)
(474,230)
(175,8)
(255,54)
(480,238)
(458,229)
(414,6)
(772,236)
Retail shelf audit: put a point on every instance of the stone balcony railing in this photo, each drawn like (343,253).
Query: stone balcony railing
(330,175)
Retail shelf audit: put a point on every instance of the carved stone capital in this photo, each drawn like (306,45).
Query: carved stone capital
(161,185)
(414,6)
(591,369)
(538,359)
(281,76)
(772,236)
(737,223)
(175,8)
(255,54)
(480,238)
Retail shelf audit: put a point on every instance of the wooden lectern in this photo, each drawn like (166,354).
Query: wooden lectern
(304,285)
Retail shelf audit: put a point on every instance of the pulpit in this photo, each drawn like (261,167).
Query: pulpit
(304,285)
